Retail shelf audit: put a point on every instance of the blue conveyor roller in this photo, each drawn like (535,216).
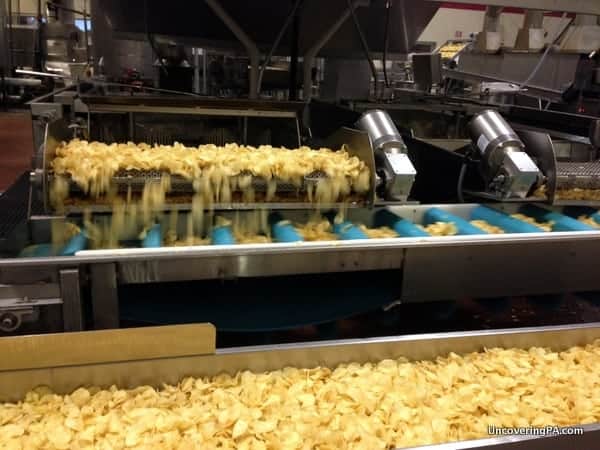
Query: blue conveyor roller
(504,221)
(283,230)
(37,251)
(404,227)
(222,235)
(560,222)
(345,230)
(75,244)
(153,237)
(463,226)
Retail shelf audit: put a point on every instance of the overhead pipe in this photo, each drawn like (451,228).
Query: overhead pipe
(312,52)
(251,48)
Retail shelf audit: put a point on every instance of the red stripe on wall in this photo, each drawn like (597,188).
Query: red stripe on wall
(507,9)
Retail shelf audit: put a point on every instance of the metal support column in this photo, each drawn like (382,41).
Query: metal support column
(105,300)
(251,47)
(313,51)
(71,298)
(295,43)
(196,54)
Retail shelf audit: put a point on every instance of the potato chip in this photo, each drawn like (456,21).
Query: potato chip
(363,406)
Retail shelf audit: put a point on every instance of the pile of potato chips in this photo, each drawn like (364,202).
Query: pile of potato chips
(91,165)
(354,406)
(578,194)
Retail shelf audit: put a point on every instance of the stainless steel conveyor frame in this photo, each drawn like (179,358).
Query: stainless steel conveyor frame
(477,266)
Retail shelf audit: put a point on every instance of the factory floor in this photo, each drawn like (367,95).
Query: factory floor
(16,146)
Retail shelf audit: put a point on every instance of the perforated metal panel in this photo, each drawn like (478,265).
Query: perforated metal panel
(137,179)
(578,175)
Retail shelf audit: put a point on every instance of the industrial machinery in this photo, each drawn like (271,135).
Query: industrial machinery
(552,64)
(508,169)
(81,287)
(395,168)
(467,198)
(434,159)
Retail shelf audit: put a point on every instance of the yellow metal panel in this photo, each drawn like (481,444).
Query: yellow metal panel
(94,347)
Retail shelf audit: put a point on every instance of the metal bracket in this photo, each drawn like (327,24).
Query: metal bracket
(105,300)
(71,300)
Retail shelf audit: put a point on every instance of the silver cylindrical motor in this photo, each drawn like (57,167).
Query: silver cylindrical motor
(494,137)
(508,170)
(394,167)
(382,131)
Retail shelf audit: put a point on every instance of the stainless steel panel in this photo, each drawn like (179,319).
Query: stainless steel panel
(224,207)
(486,271)
(36,270)
(105,302)
(540,146)
(30,292)
(71,296)
(224,267)
(557,71)
(220,112)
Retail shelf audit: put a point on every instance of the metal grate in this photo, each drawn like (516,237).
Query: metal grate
(137,179)
(578,175)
